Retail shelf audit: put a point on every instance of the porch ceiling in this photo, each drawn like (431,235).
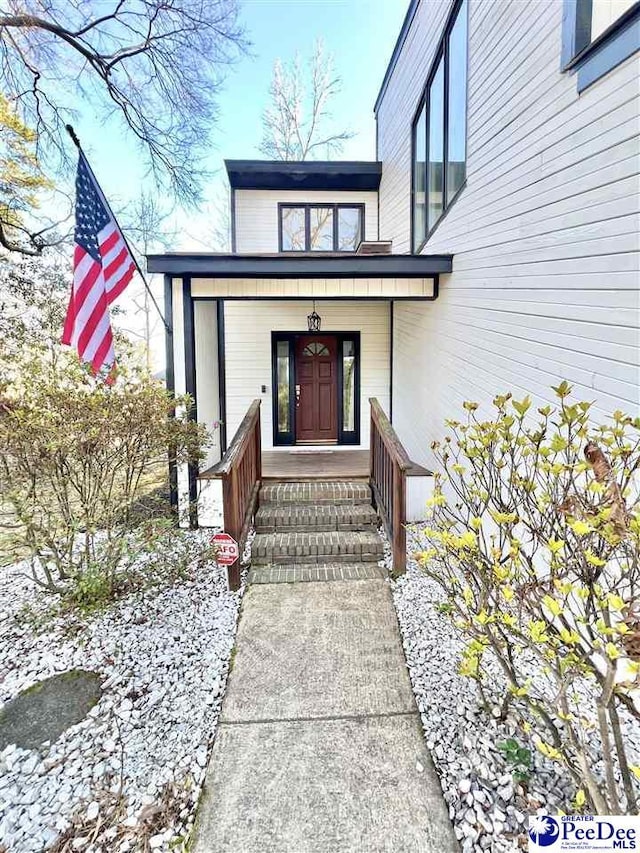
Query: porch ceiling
(313,288)
(294,266)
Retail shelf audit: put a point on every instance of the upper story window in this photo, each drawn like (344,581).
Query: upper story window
(597,35)
(439,131)
(320,227)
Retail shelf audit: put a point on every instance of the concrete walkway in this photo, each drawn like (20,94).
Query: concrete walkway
(319,747)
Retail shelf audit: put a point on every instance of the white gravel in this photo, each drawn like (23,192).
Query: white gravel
(489,810)
(163,655)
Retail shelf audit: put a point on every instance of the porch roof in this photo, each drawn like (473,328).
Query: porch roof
(320,266)
(304,175)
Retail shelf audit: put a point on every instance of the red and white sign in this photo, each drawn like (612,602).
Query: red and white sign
(227,551)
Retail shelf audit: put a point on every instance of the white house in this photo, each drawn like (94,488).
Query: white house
(492,244)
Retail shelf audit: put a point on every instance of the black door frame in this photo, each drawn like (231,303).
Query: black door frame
(289,439)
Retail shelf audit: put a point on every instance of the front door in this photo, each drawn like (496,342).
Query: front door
(316,373)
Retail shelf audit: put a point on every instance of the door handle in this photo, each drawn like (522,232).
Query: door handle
(297,395)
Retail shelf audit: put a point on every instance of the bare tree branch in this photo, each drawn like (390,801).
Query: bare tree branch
(156,64)
(295,123)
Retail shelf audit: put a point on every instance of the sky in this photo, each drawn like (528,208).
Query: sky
(359,34)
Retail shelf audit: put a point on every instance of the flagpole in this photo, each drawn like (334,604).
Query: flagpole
(76,142)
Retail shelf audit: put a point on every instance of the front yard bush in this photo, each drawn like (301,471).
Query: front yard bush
(76,454)
(534,541)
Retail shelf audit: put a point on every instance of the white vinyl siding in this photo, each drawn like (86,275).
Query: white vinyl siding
(248,327)
(256,214)
(545,235)
(207,392)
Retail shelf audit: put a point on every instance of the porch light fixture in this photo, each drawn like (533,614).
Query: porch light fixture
(313,319)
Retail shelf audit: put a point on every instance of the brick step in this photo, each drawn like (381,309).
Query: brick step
(282,518)
(315,492)
(314,572)
(331,547)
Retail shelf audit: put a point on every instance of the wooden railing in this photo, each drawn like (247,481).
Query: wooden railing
(388,466)
(241,472)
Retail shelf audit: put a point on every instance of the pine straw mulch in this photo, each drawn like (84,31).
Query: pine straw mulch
(106,832)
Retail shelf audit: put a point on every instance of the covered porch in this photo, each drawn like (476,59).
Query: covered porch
(289,361)
(310,335)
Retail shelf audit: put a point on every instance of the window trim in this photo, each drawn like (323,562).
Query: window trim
(576,22)
(306,206)
(441,52)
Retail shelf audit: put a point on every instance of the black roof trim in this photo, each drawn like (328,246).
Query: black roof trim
(406,24)
(304,175)
(301,266)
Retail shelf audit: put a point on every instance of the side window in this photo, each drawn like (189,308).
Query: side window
(320,227)
(439,131)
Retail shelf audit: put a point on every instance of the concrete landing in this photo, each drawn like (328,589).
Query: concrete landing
(319,747)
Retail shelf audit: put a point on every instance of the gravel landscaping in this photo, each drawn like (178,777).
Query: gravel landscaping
(488,807)
(128,776)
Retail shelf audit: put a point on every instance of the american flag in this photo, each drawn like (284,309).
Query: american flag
(102,268)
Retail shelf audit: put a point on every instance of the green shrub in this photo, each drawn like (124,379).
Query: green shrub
(534,542)
(75,453)
(518,757)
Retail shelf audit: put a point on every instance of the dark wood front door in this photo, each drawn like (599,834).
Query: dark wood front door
(316,389)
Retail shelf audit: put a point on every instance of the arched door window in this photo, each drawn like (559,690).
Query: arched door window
(315,348)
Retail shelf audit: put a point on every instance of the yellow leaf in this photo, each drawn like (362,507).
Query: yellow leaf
(555,545)
(522,407)
(437,499)
(507,592)
(552,605)
(580,528)
(635,769)
(593,559)
(563,389)
(468,539)
(615,602)
(612,651)
(504,517)
(501,572)
(537,630)
(564,587)
(580,798)
(569,637)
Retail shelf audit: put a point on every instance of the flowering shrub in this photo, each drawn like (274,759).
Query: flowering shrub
(534,540)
